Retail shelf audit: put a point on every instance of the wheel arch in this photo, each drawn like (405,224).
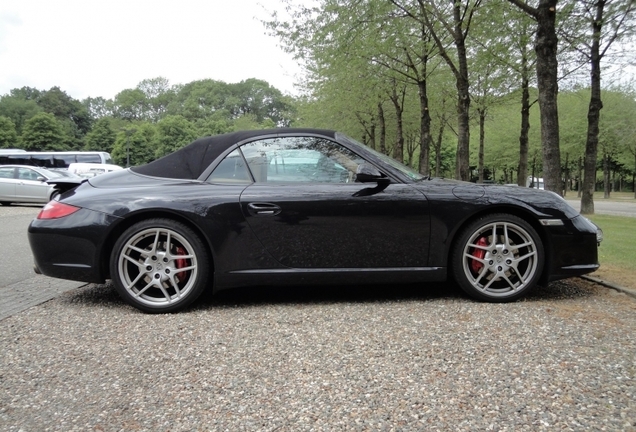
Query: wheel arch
(133,218)
(521,213)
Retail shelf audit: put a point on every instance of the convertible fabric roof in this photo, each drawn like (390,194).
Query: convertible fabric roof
(190,161)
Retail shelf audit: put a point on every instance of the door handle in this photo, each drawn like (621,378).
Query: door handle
(263,209)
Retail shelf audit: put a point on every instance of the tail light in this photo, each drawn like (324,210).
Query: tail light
(56,210)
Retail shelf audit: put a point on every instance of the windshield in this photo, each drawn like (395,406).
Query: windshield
(407,171)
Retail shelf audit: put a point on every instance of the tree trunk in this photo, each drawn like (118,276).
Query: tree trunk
(547,69)
(463,111)
(372,136)
(398,148)
(593,115)
(606,177)
(425,129)
(482,121)
(566,184)
(525,123)
(382,123)
(579,183)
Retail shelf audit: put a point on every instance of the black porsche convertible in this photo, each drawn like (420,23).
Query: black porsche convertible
(300,207)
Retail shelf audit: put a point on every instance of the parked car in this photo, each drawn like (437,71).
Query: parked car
(64,172)
(300,207)
(88,170)
(26,184)
(535,182)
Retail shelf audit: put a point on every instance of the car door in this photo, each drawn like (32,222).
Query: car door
(28,188)
(7,184)
(308,212)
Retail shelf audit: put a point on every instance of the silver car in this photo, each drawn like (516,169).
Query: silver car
(26,184)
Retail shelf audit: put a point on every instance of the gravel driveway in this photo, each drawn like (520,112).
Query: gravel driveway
(381,359)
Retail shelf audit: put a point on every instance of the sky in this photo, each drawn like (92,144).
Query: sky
(101,47)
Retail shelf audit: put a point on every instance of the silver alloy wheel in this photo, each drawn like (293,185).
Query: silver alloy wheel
(500,259)
(157,267)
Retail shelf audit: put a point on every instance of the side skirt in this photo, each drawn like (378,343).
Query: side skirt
(318,276)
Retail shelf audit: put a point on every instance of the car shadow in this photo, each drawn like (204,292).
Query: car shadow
(254,296)
(105,295)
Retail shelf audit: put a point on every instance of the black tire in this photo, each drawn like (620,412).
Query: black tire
(159,266)
(54,195)
(498,258)
(5,203)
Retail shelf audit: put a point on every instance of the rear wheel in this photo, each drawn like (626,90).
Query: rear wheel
(5,203)
(159,266)
(498,258)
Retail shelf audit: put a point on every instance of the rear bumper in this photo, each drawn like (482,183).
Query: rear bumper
(71,247)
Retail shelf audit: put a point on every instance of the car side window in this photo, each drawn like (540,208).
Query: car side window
(27,174)
(300,160)
(232,169)
(6,173)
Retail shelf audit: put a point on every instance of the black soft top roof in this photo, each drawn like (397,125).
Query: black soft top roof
(190,161)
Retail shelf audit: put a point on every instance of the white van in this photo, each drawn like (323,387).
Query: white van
(534,182)
(88,170)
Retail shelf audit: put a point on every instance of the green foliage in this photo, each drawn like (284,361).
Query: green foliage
(173,133)
(18,109)
(43,132)
(101,137)
(131,104)
(8,135)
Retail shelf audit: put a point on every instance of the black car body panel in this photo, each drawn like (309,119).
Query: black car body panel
(260,233)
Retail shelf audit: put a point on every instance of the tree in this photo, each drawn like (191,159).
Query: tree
(158,96)
(136,144)
(131,104)
(43,132)
(71,113)
(8,135)
(101,137)
(19,110)
(546,48)
(258,98)
(436,15)
(173,133)
(98,107)
(607,23)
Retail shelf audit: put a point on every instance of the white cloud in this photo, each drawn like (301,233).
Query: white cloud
(98,48)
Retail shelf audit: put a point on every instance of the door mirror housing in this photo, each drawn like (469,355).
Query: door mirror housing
(370,174)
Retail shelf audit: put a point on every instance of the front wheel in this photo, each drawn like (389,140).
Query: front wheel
(498,258)
(159,266)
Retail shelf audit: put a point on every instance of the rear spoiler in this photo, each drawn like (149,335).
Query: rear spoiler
(63,184)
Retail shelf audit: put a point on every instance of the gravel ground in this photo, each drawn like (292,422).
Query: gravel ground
(361,359)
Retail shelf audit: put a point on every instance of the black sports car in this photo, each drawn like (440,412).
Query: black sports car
(302,206)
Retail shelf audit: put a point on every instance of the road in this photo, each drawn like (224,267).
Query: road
(601,206)
(16,260)
(20,287)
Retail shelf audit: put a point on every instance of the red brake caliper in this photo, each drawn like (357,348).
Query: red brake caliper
(479,253)
(181,263)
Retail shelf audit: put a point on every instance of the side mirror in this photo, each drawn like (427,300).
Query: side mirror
(369,174)
(41,179)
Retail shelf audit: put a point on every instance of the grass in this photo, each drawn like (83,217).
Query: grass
(617,253)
